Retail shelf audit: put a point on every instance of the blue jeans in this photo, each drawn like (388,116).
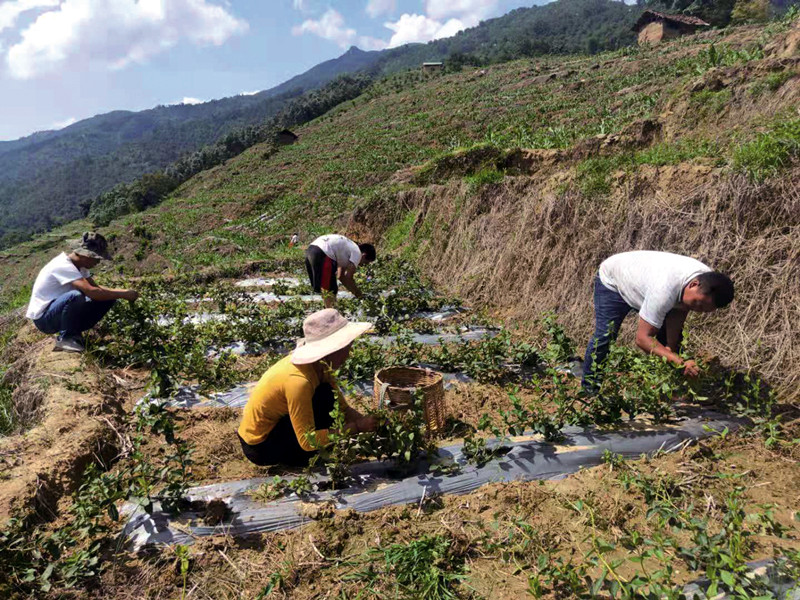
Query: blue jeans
(72,313)
(610,309)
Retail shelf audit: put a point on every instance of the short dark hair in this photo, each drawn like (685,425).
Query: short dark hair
(367,251)
(717,285)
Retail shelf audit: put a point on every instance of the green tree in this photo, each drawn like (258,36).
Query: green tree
(750,11)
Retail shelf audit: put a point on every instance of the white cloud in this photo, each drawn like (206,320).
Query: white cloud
(468,11)
(115,33)
(420,28)
(64,123)
(249,93)
(190,100)
(331,26)
(376,8)
(11,11)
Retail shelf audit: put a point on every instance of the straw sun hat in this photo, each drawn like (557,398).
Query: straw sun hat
(325,332)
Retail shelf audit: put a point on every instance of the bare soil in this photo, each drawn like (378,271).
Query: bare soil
(322,559)
(80,409)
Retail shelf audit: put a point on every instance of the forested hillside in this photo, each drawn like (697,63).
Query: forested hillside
(51,178)
(45,178)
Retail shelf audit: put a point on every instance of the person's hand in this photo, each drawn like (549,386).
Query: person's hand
(131,295)
(366,423)
(690,368)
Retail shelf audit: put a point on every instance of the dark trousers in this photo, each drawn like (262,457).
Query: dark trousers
(72,313)
(610,309)
(321,270)
(281,446)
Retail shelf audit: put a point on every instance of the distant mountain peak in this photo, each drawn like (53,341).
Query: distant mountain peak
(354,50)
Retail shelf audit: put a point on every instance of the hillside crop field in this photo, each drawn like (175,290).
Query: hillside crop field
(492,195)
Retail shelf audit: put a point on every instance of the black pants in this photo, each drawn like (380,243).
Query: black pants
(321,270)
(281,446)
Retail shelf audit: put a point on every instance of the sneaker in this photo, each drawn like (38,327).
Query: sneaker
(68,344)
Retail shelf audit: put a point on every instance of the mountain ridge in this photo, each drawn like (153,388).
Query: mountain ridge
(45,178)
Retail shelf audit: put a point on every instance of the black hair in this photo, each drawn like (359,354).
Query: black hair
(367,251)
(717,285)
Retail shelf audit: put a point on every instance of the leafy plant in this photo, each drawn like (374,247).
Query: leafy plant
(300,485)
(427,568)
(184,561)
(477,450)
(39,558)
(270,490)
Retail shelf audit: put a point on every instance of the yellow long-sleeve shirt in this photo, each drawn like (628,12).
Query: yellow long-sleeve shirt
(285,389)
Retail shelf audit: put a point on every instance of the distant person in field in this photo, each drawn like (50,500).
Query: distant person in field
(295,239)
(65,298)
(297,394)
(334,256)
(663,288)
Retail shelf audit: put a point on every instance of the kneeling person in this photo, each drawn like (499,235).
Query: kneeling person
(297,394)
(332,256)
(65,298)
(663,288)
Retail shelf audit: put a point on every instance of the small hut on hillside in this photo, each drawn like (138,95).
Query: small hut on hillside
(430,67)
(653,26)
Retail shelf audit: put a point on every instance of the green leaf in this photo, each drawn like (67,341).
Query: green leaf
(728,578)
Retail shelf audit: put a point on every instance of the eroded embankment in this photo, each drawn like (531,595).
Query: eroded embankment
(77,414)
(533,242)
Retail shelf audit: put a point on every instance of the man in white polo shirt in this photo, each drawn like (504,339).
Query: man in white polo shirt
(66,300)
(663,288)
(334,256)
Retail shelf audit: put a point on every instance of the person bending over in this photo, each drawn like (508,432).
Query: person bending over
(65,298)
(297,394)
(663,288)
(332,256)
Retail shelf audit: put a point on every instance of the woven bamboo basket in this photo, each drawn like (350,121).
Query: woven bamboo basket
(394,388)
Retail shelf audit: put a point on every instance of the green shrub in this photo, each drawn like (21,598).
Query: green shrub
(770,151)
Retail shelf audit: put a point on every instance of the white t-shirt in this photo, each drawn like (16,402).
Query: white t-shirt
(53,281)
(651,282)
(339,248)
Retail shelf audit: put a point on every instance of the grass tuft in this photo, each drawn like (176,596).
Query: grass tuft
(770,152)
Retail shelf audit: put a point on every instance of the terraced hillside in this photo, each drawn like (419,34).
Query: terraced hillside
(504,188)
(558,161)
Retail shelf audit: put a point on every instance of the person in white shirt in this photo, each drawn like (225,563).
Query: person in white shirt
(663,288)
(334,256)
(65,298)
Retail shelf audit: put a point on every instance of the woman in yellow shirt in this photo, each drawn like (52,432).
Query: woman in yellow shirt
(297,394)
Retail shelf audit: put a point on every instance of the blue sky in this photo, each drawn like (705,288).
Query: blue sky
(66,60)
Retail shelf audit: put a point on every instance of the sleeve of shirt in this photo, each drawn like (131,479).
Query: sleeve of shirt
(355,256)
(299,394)
(352,252)
(657,303)
(67,273)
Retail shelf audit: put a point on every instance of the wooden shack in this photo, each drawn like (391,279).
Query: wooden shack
(430,67)
(654,27)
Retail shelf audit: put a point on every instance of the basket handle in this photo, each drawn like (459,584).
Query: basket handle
(382,395)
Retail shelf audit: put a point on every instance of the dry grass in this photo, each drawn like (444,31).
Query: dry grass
(532,244)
